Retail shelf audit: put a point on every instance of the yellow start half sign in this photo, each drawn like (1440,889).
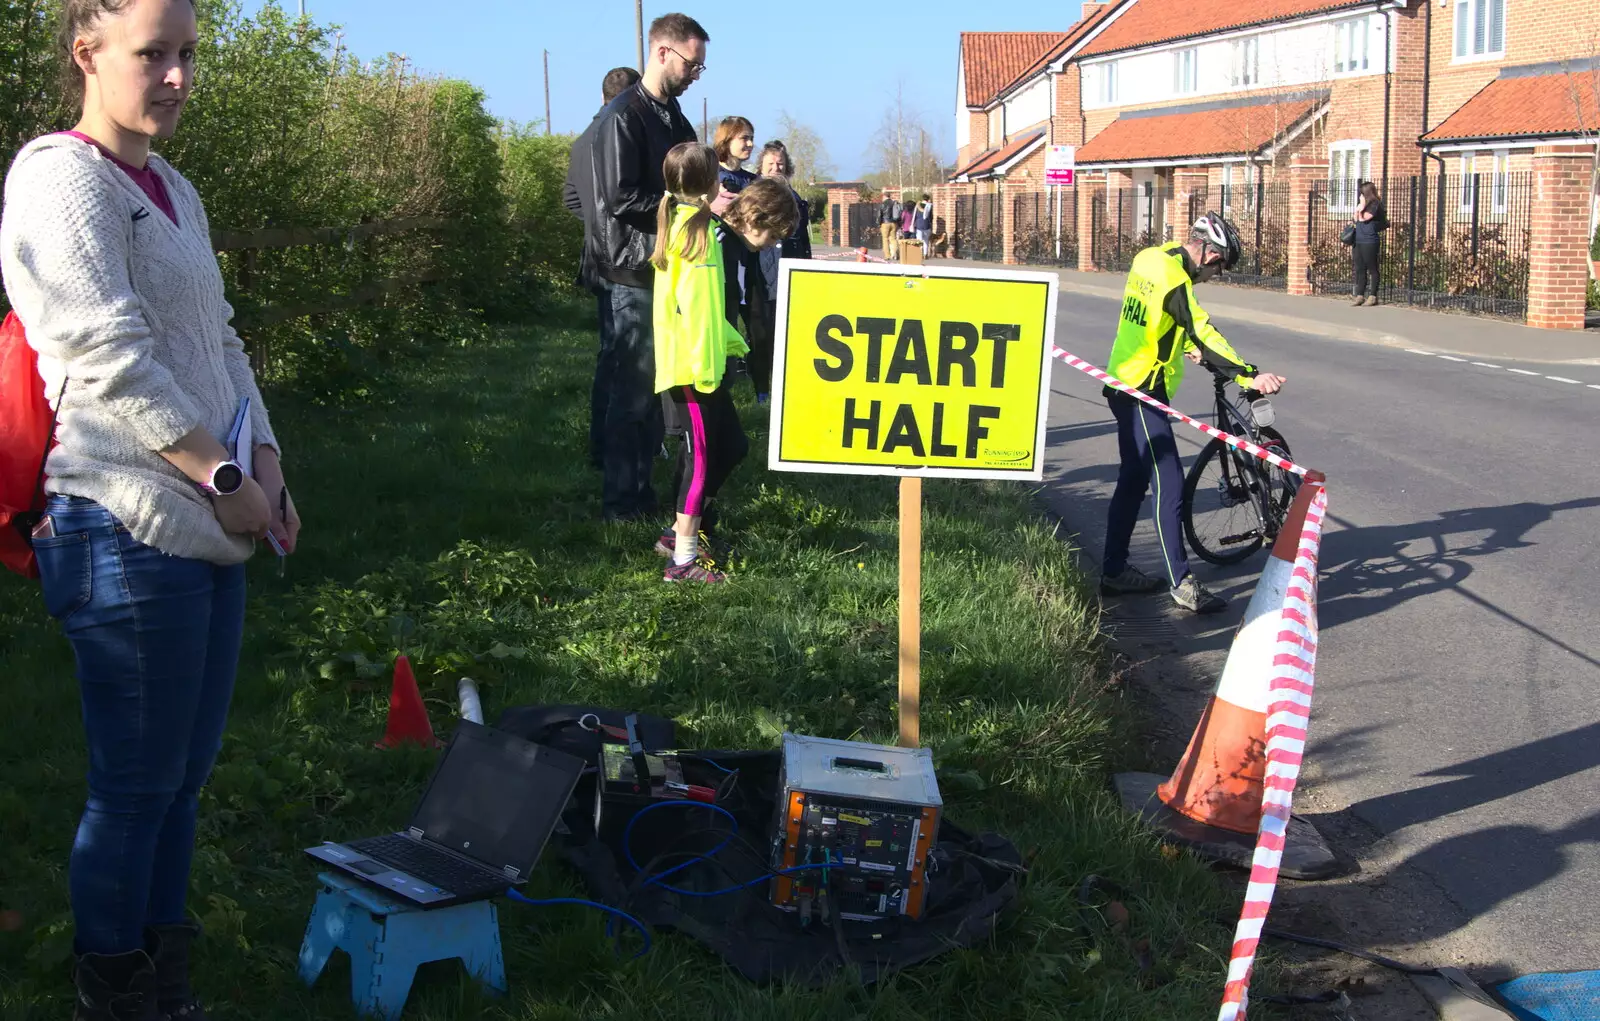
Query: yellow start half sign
(934,371)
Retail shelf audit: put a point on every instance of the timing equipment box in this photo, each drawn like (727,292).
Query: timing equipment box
(870,812)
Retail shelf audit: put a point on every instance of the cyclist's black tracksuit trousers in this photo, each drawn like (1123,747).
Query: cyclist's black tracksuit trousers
(1149,454)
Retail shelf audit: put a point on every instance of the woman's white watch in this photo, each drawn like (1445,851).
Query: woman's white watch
(226,479)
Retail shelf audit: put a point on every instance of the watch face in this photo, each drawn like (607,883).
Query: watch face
(227,479)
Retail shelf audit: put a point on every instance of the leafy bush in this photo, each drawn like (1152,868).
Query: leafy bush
(1594,244)
(546,239)
(286,128)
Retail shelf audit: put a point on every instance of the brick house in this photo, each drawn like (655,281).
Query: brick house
(1172,99)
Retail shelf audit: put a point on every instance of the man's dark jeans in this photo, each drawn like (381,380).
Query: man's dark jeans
(600,393)
(633,425)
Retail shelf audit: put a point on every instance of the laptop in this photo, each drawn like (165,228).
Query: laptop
(487,813)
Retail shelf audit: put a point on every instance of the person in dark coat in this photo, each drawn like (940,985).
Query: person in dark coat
(1371,218)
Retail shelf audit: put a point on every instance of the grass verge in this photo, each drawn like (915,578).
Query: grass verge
(454,516)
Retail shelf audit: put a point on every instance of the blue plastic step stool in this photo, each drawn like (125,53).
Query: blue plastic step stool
(387,939)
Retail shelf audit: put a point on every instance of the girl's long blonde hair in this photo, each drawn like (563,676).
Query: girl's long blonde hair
(691,174)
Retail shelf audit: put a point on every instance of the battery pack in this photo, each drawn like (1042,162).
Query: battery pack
(868,813)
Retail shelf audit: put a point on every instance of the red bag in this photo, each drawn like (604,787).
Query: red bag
(27,432)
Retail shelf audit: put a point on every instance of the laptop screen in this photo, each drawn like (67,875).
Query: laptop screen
(496,797)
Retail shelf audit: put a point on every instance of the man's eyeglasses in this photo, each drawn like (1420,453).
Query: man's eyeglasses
(695,67)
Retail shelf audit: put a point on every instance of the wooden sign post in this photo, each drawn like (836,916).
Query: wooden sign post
(910,612)
(915,372)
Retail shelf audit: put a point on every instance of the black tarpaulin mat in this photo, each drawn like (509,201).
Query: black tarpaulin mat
(971,877)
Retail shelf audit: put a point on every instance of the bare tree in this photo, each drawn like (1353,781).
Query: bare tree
(903,153)
(806,148)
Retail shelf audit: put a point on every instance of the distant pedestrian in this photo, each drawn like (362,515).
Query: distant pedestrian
(577,195)
(908,215)
(1371,218)
(630,139)
(922,224)
(776,162)
(889,226)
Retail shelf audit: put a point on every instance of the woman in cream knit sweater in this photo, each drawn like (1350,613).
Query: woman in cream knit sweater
(108,263)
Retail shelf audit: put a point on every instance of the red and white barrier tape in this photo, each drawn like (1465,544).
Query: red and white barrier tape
(851,255)
(1294,663)
(1210,430)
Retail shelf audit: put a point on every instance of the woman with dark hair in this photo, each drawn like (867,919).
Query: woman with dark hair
(1371,218)
(109,264)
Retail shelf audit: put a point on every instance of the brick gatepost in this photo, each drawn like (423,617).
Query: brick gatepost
(1089,188)
(944,213)
(842,196)
(1558,256)
(1303,175)
(1008,223)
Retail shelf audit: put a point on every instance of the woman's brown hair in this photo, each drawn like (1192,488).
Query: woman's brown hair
(78,20)
(727,131)
(765,204)
(690,170)
(1369,191)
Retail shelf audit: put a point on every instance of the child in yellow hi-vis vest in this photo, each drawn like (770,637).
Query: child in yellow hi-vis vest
(694,337)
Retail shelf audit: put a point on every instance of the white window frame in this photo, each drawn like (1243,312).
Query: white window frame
(1246,62)
(1186,71)
(1249,187)
(1500,183)
(1476,28)
(1107,89)
(1352,46)
(1349,163)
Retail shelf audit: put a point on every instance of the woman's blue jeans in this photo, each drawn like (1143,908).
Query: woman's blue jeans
(156,639)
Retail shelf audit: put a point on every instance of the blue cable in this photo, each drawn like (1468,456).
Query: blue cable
(517,896)
(656,880)
(713,763)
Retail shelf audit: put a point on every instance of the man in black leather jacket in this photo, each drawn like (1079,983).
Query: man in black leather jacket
(630,138)
(575,195)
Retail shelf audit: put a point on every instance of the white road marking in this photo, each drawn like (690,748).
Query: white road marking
(1563,379)
(1489,365)
(1448,358)
(1414,351)
(1522,372)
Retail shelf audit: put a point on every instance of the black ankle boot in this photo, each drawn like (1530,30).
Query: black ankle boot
(169,946)
(115,987)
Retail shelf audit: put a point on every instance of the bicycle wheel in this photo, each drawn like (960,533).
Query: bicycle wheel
(1222,505)
(1281,485)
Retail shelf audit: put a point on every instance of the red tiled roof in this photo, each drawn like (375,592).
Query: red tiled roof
(980,158)
(1074,34)
(1233,131)
(994,158)
(1551,104)
(992,60)
(1147,22)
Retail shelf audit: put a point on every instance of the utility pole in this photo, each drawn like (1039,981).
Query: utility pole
(302,9)
(638,25)
(705,119)
(899,135)
(547,128)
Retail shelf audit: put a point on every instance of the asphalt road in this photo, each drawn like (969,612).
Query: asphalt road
(1457,712)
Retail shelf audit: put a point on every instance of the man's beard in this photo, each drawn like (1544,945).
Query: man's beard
(675,86)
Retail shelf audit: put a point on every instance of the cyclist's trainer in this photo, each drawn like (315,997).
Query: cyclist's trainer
(1161,324)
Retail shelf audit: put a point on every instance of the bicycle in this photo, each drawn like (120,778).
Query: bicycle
(1233,502)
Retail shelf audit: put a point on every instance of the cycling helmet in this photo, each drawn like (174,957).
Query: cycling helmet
(1220,235)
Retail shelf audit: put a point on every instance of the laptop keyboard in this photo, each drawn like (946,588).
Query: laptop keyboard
(431,865)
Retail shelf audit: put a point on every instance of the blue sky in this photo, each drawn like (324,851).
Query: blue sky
(763,57)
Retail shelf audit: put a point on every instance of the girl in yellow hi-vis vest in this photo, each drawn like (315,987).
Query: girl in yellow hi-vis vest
(694,337)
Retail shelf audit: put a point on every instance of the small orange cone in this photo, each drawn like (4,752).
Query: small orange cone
(861,254)
(1213,799)
(408,717)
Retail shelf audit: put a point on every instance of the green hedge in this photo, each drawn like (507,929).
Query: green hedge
(286,128)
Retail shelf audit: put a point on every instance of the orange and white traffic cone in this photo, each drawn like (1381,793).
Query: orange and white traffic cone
(1213,799)
(408,717)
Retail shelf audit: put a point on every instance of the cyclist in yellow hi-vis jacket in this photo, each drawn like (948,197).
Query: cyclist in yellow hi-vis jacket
(1160,326)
